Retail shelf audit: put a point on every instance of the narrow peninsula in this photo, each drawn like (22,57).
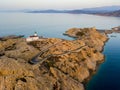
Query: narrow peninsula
(51,63)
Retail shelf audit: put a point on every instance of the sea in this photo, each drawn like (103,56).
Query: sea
(107,76)
(54,25)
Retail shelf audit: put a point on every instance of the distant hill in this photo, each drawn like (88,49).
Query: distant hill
(103,9)
(47,11)
(114,13)
(96,10)
(79,11)
(106,10)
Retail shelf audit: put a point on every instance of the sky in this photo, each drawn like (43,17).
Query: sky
(55,4)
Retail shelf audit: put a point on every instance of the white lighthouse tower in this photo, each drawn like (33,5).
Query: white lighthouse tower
(35,34)
(32,38)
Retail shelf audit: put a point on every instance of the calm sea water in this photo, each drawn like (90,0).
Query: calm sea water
(50,25)
(108,74)
(54,25)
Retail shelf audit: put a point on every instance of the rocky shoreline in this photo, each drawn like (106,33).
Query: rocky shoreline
(65,66)
(113,30)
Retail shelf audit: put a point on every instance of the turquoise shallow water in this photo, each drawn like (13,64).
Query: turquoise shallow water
(54,25)
(108,74)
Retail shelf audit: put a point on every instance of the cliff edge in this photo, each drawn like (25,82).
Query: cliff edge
(62,64)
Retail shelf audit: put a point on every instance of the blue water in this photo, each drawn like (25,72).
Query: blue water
(108,74)
(54,25)
(50,25)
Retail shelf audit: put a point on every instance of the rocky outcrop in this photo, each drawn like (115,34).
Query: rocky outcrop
(113,30)
(63,64)
(90,36)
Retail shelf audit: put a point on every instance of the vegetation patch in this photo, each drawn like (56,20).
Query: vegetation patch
(80,34)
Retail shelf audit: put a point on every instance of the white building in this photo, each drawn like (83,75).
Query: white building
(32,38)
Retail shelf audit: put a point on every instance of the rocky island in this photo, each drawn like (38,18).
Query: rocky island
(62,65)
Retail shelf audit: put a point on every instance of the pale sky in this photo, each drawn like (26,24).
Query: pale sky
(55,4)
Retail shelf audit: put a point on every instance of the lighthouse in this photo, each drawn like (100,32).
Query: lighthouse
(35,34)
(34,37)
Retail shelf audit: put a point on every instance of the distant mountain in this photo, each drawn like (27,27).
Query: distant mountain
(80,11)
(47,11)
(96,10)
(103,9)
(114,13)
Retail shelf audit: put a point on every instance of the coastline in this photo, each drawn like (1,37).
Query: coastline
(97,66)
(92,72)
(106,32)
(69,61)
(105,78)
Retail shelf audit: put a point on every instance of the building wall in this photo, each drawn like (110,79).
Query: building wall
(31,39)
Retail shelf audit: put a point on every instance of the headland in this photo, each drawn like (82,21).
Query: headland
(51,63)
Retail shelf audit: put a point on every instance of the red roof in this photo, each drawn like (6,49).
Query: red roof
(33,36)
